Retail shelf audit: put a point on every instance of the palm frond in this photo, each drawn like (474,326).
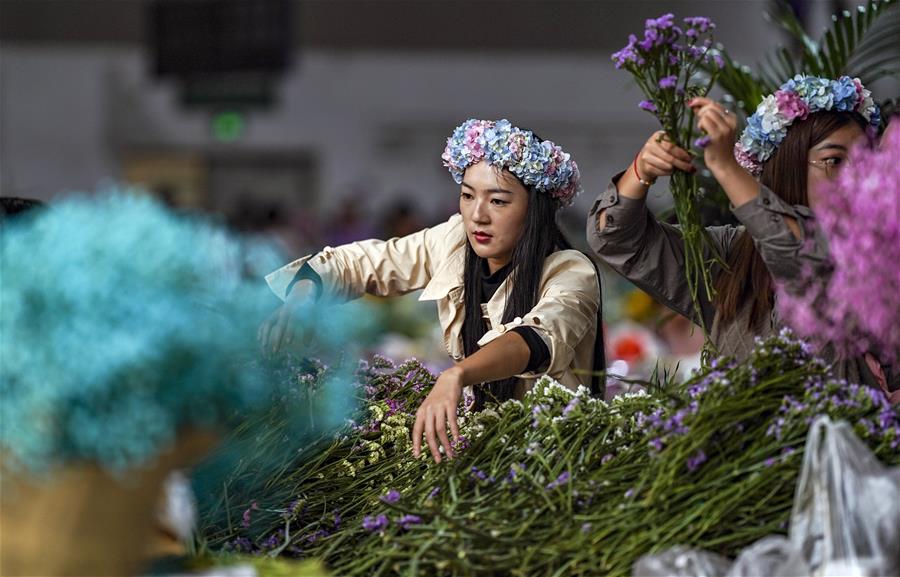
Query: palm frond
(862,43)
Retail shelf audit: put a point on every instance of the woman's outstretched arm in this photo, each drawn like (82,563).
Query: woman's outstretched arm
(501,358)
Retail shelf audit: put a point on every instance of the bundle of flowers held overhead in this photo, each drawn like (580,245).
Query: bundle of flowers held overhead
(667,64)
(558,483)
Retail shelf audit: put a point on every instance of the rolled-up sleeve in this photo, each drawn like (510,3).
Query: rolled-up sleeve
(647,252)
(564,314)
(379,267)
(785,255)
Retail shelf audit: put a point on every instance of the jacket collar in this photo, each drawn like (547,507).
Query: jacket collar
(448,277)
(448,281)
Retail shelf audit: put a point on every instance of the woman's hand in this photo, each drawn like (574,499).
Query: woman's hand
(720,125)
(660,157)
(283,327)
(437,411)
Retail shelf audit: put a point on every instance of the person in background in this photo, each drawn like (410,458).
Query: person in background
(798,137)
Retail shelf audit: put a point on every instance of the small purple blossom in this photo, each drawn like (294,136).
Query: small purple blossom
(394,407)
(606,458)
(481,475)
(294,509)
(434,492)
(272,542)
(535,413)
(694,461)
(468,401)
(514,471)
(570,407)
(561,480)
(406,521)
(372,524)
(648,106)
(627,54)
(319,534)
(585,527)
(698,389)
(702,142)
(460,444)
(663,22)
(245,521)
(629,493)
(668,82)
(241,545)
(700,23)
(391,496)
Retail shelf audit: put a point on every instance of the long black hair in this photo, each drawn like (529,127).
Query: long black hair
(540,237)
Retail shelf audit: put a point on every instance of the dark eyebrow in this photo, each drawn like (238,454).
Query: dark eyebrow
(830,146)
(470,187)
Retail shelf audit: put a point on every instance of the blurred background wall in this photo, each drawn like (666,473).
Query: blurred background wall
(323,121)
(366,93)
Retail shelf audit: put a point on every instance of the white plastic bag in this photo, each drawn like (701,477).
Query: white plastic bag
(845,520)
(773,555)
(681,562)
(847,505)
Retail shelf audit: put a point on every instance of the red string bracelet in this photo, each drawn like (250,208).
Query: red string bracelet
(641,180)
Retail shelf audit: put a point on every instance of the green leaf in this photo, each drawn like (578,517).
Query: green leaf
(862,43)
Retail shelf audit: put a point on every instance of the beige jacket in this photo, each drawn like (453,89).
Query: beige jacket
(433,259)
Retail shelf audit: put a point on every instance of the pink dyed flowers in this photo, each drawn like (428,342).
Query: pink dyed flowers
(791,105)
(857,307)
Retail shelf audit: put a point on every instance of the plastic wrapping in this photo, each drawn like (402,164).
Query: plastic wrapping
(773,555)
(845,520)
(682,562)
(847,505)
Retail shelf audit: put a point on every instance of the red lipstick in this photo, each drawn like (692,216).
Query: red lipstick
(482,237)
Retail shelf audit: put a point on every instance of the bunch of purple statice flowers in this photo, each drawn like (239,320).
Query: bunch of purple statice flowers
(671,64)
(667,65)
(855,305)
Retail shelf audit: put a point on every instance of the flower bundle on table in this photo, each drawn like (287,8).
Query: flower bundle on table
(560,481)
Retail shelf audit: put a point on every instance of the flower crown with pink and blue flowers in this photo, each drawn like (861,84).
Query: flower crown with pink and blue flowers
(798,98)
(537,163)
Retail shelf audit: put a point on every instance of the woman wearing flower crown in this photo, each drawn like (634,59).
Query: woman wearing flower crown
(514,301)
(798,137)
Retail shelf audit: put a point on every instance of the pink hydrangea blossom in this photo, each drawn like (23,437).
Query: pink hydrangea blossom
(746,160)
(791,105)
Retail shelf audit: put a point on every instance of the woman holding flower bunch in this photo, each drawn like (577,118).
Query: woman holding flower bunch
(514,301)
(798,138)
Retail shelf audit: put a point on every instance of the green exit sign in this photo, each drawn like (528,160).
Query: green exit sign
(228,126)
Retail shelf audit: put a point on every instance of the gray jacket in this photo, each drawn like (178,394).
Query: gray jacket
(650,254)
